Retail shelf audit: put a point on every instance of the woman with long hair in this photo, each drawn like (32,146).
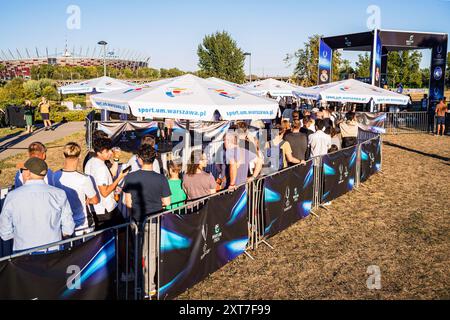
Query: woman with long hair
(196,182)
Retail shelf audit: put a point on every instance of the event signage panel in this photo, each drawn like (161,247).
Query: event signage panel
(339,173)
(287,198)
(370,158)
(86,272)
(325,61)
(195,245)
(438,67)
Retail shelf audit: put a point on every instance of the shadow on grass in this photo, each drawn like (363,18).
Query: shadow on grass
(431,155)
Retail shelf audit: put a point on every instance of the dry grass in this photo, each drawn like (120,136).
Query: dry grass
(55,158)
(399,221)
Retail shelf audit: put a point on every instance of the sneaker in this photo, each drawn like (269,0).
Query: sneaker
(127,277)
(327,204)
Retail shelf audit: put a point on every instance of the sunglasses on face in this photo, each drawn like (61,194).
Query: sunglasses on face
(22,170)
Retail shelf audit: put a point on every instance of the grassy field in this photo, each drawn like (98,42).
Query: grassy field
(400,221)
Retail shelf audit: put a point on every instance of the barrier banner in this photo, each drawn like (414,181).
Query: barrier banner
(287,198)
(195,245)
(339,172)
(325,62)
(86,272)
(370,158)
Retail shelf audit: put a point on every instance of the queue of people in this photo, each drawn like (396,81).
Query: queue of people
(94,199)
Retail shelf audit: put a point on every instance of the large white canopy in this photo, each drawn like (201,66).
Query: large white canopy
(97,85)
(274,87)
(351,91)
(187,97)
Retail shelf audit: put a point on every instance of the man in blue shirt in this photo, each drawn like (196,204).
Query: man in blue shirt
(36,214)
(35,150)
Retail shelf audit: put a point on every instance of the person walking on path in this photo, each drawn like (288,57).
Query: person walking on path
(44,109)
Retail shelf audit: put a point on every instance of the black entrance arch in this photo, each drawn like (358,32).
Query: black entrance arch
(385,41)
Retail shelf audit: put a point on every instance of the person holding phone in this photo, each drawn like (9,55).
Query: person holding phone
(106,211)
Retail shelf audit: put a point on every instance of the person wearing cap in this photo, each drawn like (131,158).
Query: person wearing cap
(36,214)
(35,150)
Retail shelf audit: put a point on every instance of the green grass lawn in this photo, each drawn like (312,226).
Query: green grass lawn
(7,131)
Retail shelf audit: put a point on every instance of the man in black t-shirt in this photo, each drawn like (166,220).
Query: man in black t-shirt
(146,192)
(298,141)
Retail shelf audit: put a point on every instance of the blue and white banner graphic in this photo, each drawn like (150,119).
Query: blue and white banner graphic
(370,158)
(195,245)
(339,172)
(86,272)
(287,198)
(325,63)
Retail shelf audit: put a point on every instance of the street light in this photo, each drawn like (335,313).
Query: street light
(250,67)
(103,43)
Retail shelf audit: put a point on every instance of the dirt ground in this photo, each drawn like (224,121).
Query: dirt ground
(400,222)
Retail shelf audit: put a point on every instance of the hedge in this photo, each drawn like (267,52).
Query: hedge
(57,116)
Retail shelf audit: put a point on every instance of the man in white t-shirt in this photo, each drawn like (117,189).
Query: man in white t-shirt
(319,142)
(35,150)
(106,212)
(79,188)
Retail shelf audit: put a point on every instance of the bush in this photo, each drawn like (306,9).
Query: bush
(57,116)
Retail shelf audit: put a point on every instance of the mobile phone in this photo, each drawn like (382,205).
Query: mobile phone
(126,170)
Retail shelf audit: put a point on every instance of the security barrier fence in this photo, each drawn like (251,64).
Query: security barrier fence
(170,252)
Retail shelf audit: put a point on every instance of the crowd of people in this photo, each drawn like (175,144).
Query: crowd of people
(46,206)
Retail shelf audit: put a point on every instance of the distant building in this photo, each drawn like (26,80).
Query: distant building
(19,66)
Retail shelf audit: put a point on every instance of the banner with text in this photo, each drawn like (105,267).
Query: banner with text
(339,172)
(86,272)
(287,198)
(325,62)
(195,245)
(370,158)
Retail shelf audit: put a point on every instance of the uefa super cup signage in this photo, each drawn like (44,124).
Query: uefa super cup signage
(325,60)
(438,65)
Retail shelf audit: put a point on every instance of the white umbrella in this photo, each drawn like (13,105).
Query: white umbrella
(97,85)
(274,87)
(351,91)
(190,98)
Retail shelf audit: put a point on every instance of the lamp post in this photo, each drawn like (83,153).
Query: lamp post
(250,63)
(104,43)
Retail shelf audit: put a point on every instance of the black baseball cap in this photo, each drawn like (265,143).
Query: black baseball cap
(36,166)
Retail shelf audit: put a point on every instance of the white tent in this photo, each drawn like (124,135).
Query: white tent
(187,97)
(97,85)
(221,81)
(351,91)
(274,87)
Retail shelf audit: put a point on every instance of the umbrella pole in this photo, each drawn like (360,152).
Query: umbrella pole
(187,143)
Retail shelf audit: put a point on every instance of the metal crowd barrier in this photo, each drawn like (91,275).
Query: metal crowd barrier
(126,238)
(409,122)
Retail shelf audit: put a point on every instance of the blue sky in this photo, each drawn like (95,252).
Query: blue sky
(169,31)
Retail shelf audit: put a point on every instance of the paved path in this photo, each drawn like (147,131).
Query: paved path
(10,146)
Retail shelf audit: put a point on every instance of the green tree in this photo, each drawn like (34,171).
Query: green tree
(306,62)
(345,70)
(32,89)
(220,57)
(404,67)
(363,66)
(50,93)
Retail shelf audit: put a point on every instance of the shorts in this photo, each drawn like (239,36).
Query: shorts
(45,116)
(440,121)
(29,120)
